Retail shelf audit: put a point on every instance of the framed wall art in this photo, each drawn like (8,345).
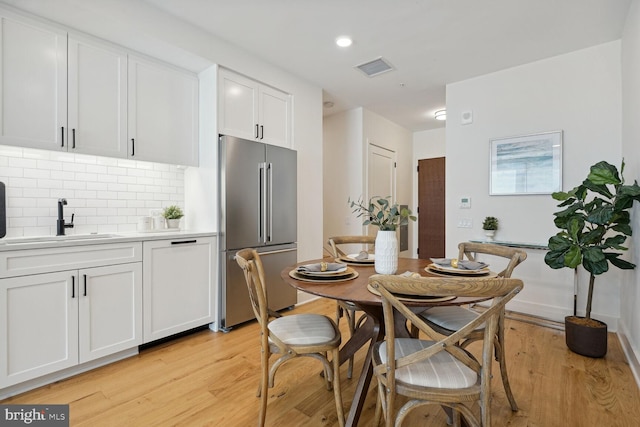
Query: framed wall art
(527,164)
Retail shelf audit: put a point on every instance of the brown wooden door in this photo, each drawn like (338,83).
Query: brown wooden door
(431,211)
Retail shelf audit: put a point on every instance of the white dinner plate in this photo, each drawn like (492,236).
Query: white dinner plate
(323,273)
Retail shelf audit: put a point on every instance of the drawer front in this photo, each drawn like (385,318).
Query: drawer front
(36,261)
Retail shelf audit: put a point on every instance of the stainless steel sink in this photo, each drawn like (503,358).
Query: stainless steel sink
(47,239)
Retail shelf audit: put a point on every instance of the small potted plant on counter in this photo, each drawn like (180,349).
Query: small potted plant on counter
(490,225)
(594,224)
(387,217)
(172,215)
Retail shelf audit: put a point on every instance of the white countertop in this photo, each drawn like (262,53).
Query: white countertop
(38,242)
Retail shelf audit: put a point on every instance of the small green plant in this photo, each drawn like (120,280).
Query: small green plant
(490,223)
(172,212)
(381,213)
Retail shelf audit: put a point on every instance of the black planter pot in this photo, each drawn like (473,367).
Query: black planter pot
(584,339)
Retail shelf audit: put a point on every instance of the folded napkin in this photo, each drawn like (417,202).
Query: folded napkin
(462,264)
(321,266)
(362,256)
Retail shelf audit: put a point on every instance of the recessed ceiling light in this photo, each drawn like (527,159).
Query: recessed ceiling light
(441,115)
(344,41)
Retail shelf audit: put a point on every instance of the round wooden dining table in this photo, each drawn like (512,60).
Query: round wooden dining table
(372,330)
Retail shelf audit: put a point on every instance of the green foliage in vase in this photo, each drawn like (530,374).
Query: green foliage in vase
(172,212)
(490,223)
(381,213)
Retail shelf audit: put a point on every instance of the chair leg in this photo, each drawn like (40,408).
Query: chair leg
(337,390)
(503,364)
(263,390)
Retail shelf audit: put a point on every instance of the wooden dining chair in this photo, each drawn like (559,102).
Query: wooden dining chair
(448,320)
(437,371)
(347,309)
(309,335)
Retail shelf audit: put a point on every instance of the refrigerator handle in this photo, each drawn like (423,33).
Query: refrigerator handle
(262,218)
(270,199)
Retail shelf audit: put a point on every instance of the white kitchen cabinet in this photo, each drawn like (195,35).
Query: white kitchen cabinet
(110,310)
(71,92)
(39,326)
(33,80)
(250,110)
(162,113)
(97,122)
(56,320)
(178,289)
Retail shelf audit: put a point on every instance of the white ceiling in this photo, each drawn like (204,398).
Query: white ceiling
(429,42)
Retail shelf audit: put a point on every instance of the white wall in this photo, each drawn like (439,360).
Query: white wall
(579,93)
(342,172)
(346,139)
(629,325)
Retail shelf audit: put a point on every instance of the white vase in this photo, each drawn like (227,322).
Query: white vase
(489,234)
(386,261)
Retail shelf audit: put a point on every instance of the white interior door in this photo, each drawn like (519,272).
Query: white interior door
(381,175)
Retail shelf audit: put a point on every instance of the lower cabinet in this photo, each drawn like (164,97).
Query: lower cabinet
(178,288)
(54,321)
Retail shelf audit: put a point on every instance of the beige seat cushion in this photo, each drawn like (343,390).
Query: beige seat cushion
(441,370)
(452,318)
(303,329)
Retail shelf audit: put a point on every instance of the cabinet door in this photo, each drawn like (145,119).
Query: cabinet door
(238,106)
(97,99)
(178,290)
(163,113)
(275,122)
(38,325)
(33,84)
(110,310)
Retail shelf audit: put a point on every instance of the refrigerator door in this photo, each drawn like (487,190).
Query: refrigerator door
(281,195)
(236,306)
(241,193)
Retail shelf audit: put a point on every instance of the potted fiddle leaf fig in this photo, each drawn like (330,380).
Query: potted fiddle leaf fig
(594,224)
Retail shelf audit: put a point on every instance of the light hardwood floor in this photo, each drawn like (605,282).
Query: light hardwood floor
(210,379)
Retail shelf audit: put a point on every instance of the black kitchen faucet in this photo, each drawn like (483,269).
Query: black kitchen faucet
(60,224)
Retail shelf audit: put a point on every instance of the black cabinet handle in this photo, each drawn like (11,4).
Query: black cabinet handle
(73,286)
(182,242)
(261,131)
(257,130)
(133,147)
(85,284)
(62,136)
(73,138)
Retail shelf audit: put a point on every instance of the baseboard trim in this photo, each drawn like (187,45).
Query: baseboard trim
(630,354)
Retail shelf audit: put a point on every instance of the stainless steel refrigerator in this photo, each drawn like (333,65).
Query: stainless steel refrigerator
(257,209)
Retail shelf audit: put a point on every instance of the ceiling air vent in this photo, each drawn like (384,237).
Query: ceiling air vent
(375,67)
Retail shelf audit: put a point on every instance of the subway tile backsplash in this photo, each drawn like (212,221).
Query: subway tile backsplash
(106,194)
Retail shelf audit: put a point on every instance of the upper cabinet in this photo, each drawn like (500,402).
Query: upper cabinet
(163,113)
(118,105)
(34,84)
(250,110)
(97,99)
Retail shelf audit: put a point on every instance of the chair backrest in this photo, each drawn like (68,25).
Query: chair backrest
(501,290)
(251,264)
(336,241)
(471,249)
